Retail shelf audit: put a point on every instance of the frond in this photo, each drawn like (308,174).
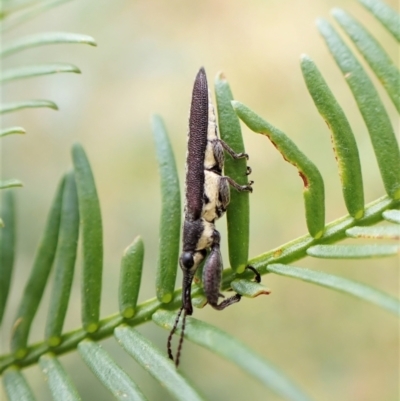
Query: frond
(10,16)
(75,215)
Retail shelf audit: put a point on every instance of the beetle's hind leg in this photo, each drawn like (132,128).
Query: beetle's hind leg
(212,274)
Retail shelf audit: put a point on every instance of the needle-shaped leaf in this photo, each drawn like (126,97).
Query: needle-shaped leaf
(16,386)
(60,384)
(64,262)
(156,363)
(11,131)
(392,215)
(388,17)
(345,251)
(249,289)
(30,71)
(313,192)
(344,143)
(199,301)
(16,14)
(373,112)
(228,347)
(170,222)
(45,38)
(27,104)
(92,239)
(109,373)
(131,274)
(37,281)
(237,215)
(10,183)
(376,232)
(341,284)
(7,244)
(372,51)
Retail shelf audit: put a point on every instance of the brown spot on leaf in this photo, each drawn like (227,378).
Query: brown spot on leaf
(304,178)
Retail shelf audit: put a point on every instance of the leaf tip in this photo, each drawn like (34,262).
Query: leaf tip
(235,104)
(304,58)
(220,76)
(322,24)
(337,12)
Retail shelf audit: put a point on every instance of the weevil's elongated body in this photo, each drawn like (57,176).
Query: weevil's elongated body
(207,197)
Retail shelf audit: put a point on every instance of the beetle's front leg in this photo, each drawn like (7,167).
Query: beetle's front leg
(232,153)
(212,273)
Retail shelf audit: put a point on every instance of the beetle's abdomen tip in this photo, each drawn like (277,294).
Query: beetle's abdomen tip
(202,72)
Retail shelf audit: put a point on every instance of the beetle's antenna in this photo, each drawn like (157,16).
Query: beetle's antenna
(178,353)
(172,333)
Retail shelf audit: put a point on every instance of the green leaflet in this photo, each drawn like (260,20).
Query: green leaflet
(372,110)
(10,183)
(237,215)
(341,284)
(60,384)
(392,215)
(64,263)
(156,363)
(376,232)
(30,71)
(17,388)
(344,251)
(170,222)
(7,246)
(39,274)
(313,192)
(379,61)
(249,289)
(15,15)
(26,104)
(11,131)
(344,143)
(45,38)
(121,386)
(228,347)
(92,239)
(388,17)
(130,276)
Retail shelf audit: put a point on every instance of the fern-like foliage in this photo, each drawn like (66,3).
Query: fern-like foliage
(12,14)
(75,213)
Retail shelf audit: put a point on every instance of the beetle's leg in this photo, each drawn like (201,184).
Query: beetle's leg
(232,153)
(238,187)
(235,155)
(257,276)
(212,274)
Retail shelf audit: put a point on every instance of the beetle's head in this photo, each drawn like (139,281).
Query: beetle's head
(189,262)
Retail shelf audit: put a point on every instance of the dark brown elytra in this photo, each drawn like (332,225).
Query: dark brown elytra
(206,199)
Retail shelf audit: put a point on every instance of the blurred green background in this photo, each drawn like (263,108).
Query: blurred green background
(335,347)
